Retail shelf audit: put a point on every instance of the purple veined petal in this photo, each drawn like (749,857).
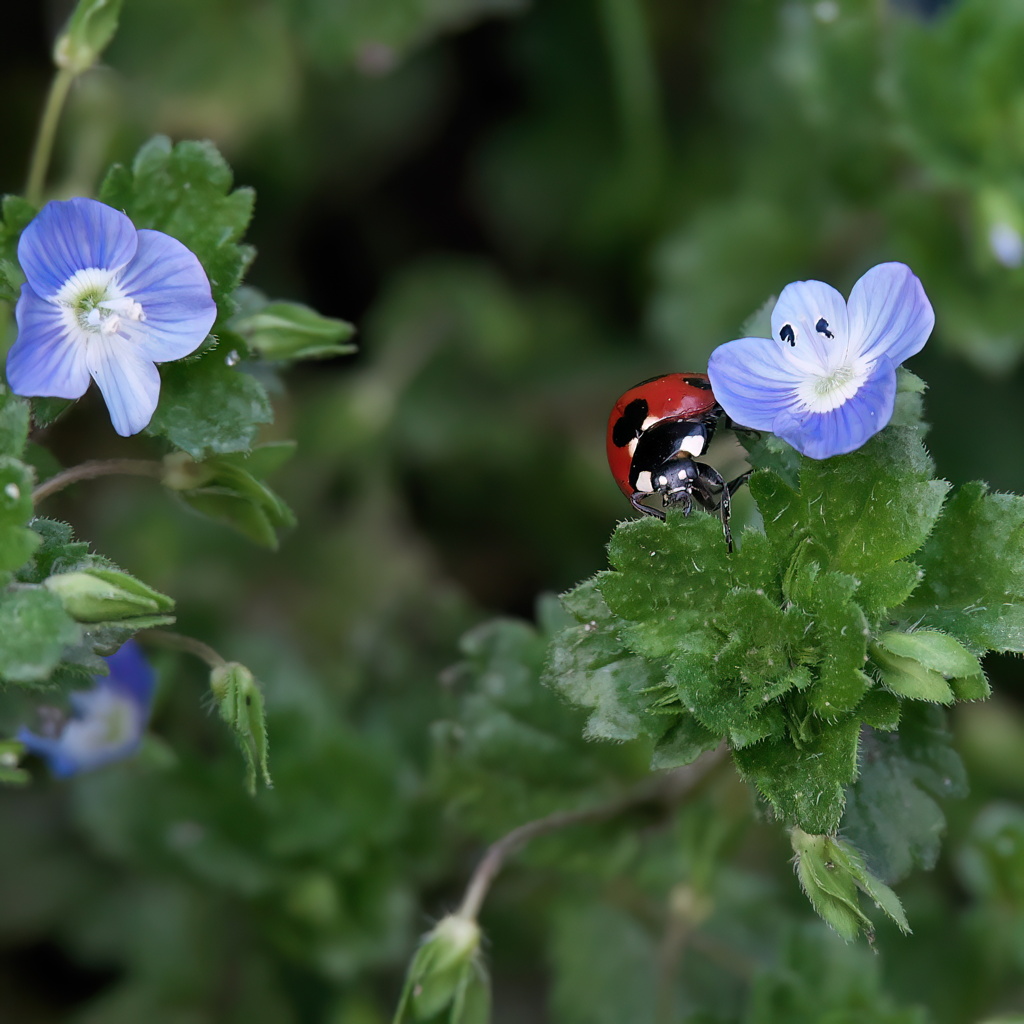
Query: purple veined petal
(890,315)
(169,282)
(816,314)
(847,427)
(71,235)
(129,382)
(45,360)
(753,381)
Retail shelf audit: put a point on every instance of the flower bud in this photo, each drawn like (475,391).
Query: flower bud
(106,595)
(447,980)
(240,703)
(832,874)
(288,330)
(88,32)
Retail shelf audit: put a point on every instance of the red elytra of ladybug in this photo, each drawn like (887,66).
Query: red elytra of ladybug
(656,431)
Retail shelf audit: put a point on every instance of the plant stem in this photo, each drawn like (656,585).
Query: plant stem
(96,468)
(188,644)
(636,86)
(43,150)
(670,788)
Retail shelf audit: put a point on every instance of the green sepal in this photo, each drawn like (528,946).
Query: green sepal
(447,982)
(240,702)
(222,488)
(832,873)
(289,330)
(89,30)
(105,595)
(926,664)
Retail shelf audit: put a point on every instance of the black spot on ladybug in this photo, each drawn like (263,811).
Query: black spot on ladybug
(786,333)
(630,424)
(822,328)
(698,382)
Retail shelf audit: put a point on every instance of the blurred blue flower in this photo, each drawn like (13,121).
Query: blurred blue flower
(826,379)
(106,301)
(107,722)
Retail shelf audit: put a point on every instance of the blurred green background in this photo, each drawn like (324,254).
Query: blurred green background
(525,208)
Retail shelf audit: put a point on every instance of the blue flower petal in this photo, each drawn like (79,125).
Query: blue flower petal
(890,312)
(108,720)
(847,427)
(72,235)
(169,282)
(130,673)
(44,360)
(61,763)
(812,310)
(753,381)
(129,381)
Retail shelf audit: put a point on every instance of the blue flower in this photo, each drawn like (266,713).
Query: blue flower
(105,301)
(107,722)
(826,379)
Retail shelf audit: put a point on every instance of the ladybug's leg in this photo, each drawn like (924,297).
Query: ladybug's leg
(715,495)
(724,420)
(636,500)
(734,485)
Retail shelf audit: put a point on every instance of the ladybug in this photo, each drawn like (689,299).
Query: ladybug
(656,432)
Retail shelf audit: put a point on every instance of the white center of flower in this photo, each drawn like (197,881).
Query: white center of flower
(108,722)
(831,373)
(92,302)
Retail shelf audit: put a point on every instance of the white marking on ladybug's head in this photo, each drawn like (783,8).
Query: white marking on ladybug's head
(650,421)
(644,483)
(631,447)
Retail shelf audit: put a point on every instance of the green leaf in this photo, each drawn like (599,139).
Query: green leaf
(209,408)
(58,551)
(34,630)
(911,770)
(591,667)
(512,749)
(684,742)
(875,505)
(13,424)
(17,214)
(815,979)
(185,190)
(805,784)
(17,542)
(605,966)
(973,565)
